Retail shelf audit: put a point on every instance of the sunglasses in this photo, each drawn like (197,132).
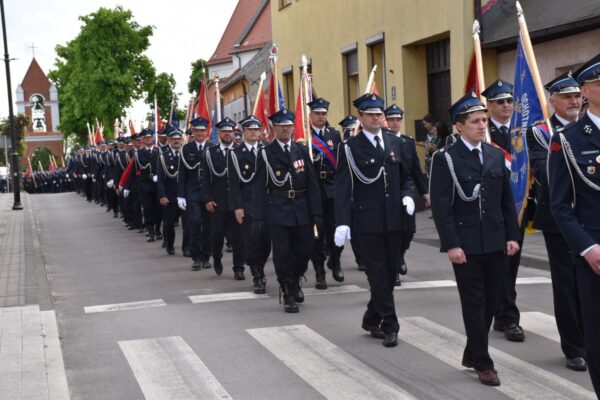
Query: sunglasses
(502,101)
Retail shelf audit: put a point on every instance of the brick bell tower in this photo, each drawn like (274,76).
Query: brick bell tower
(38,98)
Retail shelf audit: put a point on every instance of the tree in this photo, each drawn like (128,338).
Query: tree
(41,155)
(21,123)
(102,70)
(163,86)
(199,71)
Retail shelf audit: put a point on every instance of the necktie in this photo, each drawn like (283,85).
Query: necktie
(504,130)
(286,150)
(253,151)
(199,148)
(378,145)
(476,153)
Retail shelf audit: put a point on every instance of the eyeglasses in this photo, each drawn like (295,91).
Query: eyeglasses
(502,101)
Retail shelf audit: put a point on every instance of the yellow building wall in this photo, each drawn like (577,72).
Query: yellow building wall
(321,28)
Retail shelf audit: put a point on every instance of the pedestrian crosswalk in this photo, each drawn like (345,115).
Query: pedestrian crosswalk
(167,367)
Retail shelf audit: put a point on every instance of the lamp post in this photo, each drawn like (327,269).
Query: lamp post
(14,157)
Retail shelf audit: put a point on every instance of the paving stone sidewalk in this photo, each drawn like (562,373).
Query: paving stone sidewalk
(31,361)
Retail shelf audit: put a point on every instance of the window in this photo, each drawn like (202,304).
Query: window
(351,78)
(284,3)
(377,57)
(288,89)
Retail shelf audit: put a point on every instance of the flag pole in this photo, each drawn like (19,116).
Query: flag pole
(275,75)
(305,93)
(535,73)
(263,76)
(367,90)
(218,98)
(479,66)
(155,119)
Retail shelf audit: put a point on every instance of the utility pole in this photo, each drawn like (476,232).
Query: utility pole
(14,162)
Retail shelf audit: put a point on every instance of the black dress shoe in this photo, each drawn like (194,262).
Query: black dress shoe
(238,275)
(398,282)
(390,339)
(218,267)
(159,236)
(150,239)
(206,264)
(131,228)
(402,268)
(514,333)
(488,377)
(298,293)
(170,251)
(577,364)
(374,330)
(470,364)
(337,273)
(320,282)
(187,253)
(196,265)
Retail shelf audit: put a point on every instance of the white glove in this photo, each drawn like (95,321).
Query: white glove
(342,233)
(182,203)
(410,204)
(93,179)
(125,193)
(66,175)
(154,178)
(109,184)
(84,176)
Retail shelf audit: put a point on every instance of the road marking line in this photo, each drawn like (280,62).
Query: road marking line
(55,367)
(324,366)
(541,324)
(209,298)
(425,285)
(124,306)
(523,380)
(334,290)
(167,368)
(533,280)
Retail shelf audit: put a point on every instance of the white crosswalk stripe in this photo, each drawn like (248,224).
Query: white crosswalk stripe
(167,368)
(541,324)
(209,298)
(327,368)
(134,305)
(524,381)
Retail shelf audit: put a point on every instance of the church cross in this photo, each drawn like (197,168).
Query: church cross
(33,47)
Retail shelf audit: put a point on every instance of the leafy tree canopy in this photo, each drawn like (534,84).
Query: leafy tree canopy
(102,70)
(42,155)
(199,71)
(163,86)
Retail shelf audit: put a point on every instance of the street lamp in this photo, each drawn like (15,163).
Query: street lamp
(14,162)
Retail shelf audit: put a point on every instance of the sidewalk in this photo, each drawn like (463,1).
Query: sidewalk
(534,249)
(31,362)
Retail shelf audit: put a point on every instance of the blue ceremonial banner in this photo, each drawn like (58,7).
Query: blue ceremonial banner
(527,111)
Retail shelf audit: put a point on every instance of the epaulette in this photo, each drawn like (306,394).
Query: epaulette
(408,137)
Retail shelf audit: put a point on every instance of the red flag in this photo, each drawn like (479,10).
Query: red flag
(202,109)
(50,165)
(472,82)
(261,111)
(131,128)
(299,133)
(99,138)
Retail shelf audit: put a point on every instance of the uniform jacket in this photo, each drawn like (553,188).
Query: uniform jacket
(480,226)
(372,208)
(497,137)
(189,181)
(537,145)
(241,191)
(325,172)
(575,205)
(268,203)
(146,168)
(217,187)
(168,164)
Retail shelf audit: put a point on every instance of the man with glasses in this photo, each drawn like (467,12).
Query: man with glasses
(373,203)
(500,104)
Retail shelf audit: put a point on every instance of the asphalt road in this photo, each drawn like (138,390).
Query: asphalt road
(171,347)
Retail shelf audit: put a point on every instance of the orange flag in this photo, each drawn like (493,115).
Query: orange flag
(472,82)
(202,109)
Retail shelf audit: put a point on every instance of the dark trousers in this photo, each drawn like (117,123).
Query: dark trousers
(150,207)
(507,312)
(356,250)
(170,214)
(567,309)
(324,243)
(256,248)
(224,222)
(379,252)
(479,282)
(89,189)
(113,200)
(588,284)
(193,224)
(292,246)
(136,208)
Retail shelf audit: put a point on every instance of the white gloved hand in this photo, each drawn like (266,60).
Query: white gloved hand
(182,203)
(342,233)
(84,176)
(109,184)
(93,179)
(125,193)
(410,204)
(67,176)
(154,178)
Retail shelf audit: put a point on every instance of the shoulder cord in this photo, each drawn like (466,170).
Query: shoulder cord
(354,170)
(539,137)
(137,161)
(188,166)
(236,166)
(277,182)
(569,155)
(459,188)
(82,163)
(167,173)
(212,167)
(120,163)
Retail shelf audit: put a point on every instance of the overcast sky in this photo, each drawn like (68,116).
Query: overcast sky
(183,32)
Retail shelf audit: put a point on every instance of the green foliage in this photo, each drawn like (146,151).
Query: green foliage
(199,71)
(42,154)
(21,123)
(102,70)
(162,86)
